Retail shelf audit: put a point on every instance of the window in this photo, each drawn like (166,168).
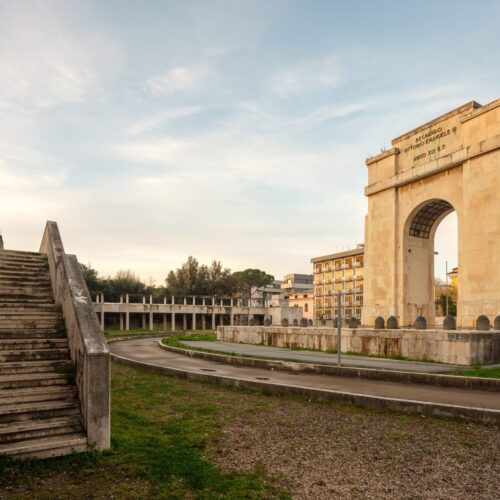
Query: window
(306,307)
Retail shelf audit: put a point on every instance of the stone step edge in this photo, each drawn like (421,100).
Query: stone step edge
(40,423)
(31,446)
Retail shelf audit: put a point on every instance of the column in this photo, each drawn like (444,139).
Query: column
(173,315)
(213,313)
(121,314)
(102,312)
(151,319)
(184,321)
(127,313)
(203,321)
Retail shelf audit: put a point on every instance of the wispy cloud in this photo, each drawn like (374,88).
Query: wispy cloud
(305,77)
(157,120)
(178,79)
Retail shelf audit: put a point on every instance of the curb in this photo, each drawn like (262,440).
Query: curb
(470,414)
(477,383)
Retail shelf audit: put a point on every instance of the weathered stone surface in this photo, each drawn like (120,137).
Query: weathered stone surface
(496,324)
(353,322)
(267,322)
(392,323)
(450,163)
(284,322)
(464,347)
(251,322)
(421,323)
(87,344)
(482,323)
(323,322)
(450,323)
(304,323)
(379,323)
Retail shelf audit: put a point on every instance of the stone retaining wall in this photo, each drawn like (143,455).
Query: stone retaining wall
(453,347)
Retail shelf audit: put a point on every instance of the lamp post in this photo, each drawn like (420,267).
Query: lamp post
(446,288)
(339,328)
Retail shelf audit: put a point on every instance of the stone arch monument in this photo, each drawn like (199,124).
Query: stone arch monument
(451,163)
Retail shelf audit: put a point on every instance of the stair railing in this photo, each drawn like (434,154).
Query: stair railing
(88,348)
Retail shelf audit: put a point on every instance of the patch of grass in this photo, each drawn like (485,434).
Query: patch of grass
(199,335)
(161,432)
(111,334)
(482,372)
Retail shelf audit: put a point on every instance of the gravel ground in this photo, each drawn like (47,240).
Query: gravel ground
(318,451)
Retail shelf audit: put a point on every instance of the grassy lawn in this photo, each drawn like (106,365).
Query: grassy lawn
(484,372)
(112,334)
(177,439)
(160,431)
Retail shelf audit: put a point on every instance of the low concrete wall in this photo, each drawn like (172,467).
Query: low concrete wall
(485,384)
(453,347)
(87,345)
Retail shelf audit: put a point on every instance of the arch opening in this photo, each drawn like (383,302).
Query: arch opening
(419,254)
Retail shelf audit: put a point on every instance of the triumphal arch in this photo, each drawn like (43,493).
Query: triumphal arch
(451,163)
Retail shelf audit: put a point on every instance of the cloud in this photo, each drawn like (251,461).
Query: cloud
(305,77)
(44,62)
(159,119)
(178,79)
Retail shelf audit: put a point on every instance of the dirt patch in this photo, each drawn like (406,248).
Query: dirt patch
(318,451)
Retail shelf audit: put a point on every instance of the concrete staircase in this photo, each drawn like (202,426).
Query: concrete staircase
(39,407)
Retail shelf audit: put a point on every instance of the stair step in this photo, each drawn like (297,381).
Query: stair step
(20,308)
(25,253)
(23,367)
(27,324)
(45,379)
(43,298)
(53,446)
(19,334)
(11,269)
(31,394)
(28,344)
(6,313)
(38,409)
(40,428)
(24,266)
(33,355)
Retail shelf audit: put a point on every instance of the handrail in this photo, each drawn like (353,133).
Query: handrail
(88,348)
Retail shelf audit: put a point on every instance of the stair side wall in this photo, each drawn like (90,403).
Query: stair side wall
(87,345)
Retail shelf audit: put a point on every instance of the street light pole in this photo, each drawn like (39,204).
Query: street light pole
(339,329)
(446,288)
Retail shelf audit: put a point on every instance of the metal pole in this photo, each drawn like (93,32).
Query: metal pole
(446,288)
(339,328)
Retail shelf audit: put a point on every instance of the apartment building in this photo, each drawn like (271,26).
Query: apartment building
(338,272)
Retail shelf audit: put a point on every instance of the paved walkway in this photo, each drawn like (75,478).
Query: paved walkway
(323,357)
(148,351)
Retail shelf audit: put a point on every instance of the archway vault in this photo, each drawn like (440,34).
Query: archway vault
(423,221)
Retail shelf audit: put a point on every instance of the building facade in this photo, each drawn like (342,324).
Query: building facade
(339,272)
(297,284)
(304,301)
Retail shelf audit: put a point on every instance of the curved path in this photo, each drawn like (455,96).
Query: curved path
(323,357)
(414,398)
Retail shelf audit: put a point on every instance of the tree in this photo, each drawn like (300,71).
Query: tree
(91,277)
(195,279)
(250,278)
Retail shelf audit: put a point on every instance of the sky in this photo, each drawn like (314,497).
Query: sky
(228,130)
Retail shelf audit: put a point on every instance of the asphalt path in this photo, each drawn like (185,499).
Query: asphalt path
(322,357)
(149,351)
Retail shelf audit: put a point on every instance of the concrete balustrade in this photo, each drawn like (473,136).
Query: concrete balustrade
(88,348)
